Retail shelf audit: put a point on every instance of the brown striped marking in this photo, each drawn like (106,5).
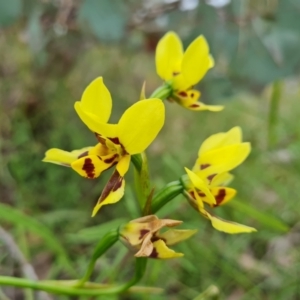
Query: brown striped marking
(111,159)
(183,94)
(220,197)
(204,166)
(195,105)
(143,232)
(154,253)
(89,168)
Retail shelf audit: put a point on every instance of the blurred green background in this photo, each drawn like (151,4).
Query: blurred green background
(51,50)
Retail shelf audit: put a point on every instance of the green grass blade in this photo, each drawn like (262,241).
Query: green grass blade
(265,219)
(18,218)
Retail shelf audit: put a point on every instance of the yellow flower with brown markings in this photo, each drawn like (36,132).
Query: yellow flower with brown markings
(136,129)
(219,154)
(144,235)
(182,70)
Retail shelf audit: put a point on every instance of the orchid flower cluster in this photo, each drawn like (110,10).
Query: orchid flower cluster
(205,185)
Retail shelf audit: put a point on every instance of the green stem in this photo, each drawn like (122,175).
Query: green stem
(137,160)
(68,287)
(273,112)
(163,92)
(165,195)
(105,243)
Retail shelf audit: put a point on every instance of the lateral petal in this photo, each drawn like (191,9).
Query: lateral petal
(233,136)
(200,185)
(64,158)
(160,250)
(96,100)
(228,226)
(140,124)
(112,193)
(123,165)
(196,61)
(200,106)
(168,56)
(174,236)
(94,123)
(223,159)
(90,166)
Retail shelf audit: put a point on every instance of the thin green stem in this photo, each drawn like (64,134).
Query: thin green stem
(274,112)
(105,243)
(166,194)
(137,160)
(163,92)
(70,288)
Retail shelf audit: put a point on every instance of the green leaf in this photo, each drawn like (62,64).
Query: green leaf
(106,18)
(10,11)
(18,218)
(265,219)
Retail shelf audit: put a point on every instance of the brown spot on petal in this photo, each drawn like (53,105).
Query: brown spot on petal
(89,168)
(204,166)
(83,154)
(114,180)
(115,140)
(211,177)
(220,197)
(156,238)
(118,184)
(201,194)
(183,94)
(143,232)
(101,140)
(192,194)
(154,253)
(175,73)
(111,159)
(195,105)
(192,95)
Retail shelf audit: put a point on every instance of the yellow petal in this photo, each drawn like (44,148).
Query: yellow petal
(174,236)
(134,233)
(94,123)
(112,193)
(229,227)
(96,100)
(64,158)
(189,100)
(162,251)
(222,195)
(200,185)
(200,106)
(179,83)
(233,136)
(140,124)
(221,179)
(196,61)
(168,56)
(123,165)
(223,159)
(90,166)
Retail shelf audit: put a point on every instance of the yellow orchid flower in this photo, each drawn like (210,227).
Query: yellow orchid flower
(136,129)
(218,155)
(182,70)
(143,234)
